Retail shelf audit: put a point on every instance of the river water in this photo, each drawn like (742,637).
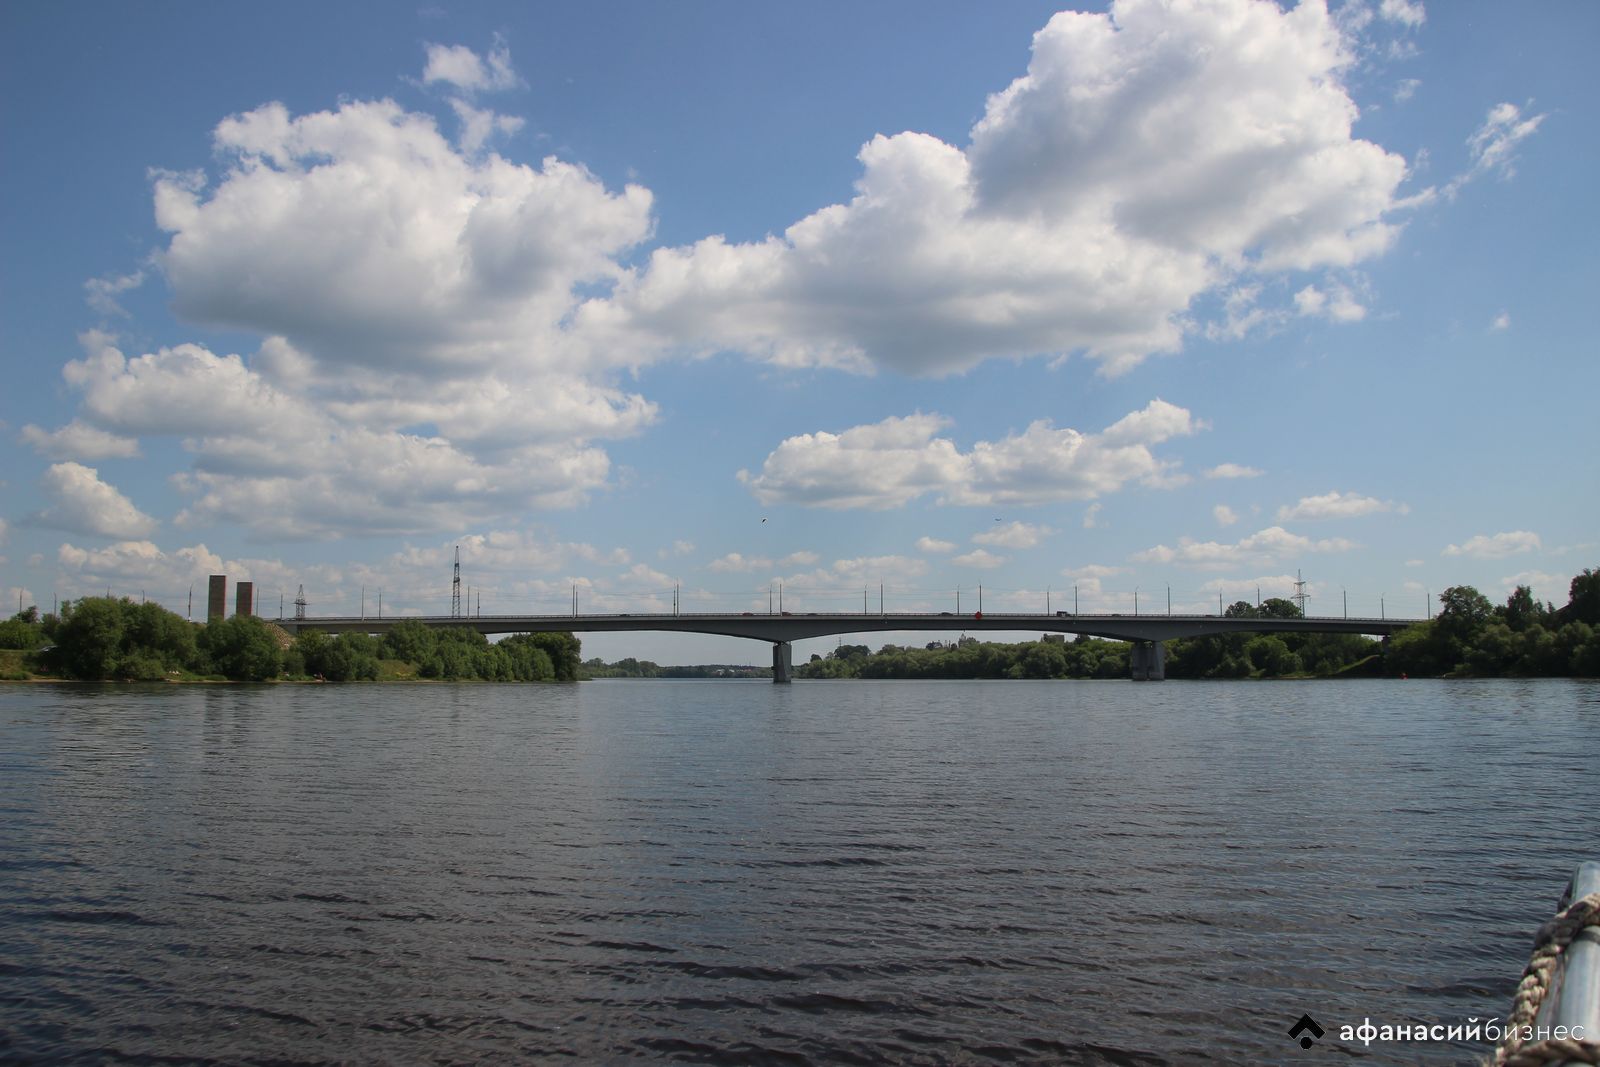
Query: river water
(736,872)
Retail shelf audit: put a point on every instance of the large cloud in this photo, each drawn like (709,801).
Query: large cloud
(890,463)
(1148,156)
(415,371)
(443,325)
(82,503)
(274,452)
(364,237)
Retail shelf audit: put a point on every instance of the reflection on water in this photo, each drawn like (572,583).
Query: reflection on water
(730,872)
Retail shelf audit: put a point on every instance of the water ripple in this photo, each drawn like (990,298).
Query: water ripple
(876,873)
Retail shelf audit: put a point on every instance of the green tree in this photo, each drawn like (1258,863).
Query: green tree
(1419,650)
(160,635)
(1522,611)
(1583,598)
(22,630)
(241,648)
(1268,655)
(1464,612)
(1279,608)
(408,640)
(1585,660)
(89,639)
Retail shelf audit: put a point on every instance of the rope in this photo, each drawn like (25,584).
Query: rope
(1552,939)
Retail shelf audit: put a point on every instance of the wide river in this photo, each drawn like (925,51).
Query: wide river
(736,872)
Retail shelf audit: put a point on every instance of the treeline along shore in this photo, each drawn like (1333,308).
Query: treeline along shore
(101,638)
(106,639)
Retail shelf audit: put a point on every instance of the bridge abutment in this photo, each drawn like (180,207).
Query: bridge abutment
(782,662)
(1149,661)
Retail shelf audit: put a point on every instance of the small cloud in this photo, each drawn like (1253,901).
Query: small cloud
(479,125)
(980,558)
(1013,535)
(101,293)
(933,544)
(1224,515)
(1406,89)
(1409,13)
(1501,321)
(1337,303)
(463,68)
(1273,542)
(1554,588)
(1233,470)
(1496,546)
(799,559)
(1415,563)
(1092,570)
(1337,505)
(1242,315)
(1493,145)
(734,563)
(1091,516)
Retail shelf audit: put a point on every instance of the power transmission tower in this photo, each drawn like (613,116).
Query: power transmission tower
(455,588)
(300,603)
(1300,595)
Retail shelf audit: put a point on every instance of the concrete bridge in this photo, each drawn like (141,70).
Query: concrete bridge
(1148,633)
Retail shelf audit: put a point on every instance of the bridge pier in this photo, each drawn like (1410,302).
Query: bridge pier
(782,662)
(1149,661)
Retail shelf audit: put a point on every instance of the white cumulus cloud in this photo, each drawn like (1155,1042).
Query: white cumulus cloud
(1149,155)
(1224,515)
(1272,543)
(934,545)
(1336,505)
(1233,470)
(276,455)
(461,67)
(364,238)
(82,503)
(1496,546)
(78,440)
(1013,535)
(1337,303)
(980,558)
(890,463)
(735,563)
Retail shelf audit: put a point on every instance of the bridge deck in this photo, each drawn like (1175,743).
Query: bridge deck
(796,626)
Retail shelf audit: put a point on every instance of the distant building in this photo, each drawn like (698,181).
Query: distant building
(244,597)
(1054,639)
(217,602)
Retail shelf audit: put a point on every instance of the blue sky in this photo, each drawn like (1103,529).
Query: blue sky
(628,297)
